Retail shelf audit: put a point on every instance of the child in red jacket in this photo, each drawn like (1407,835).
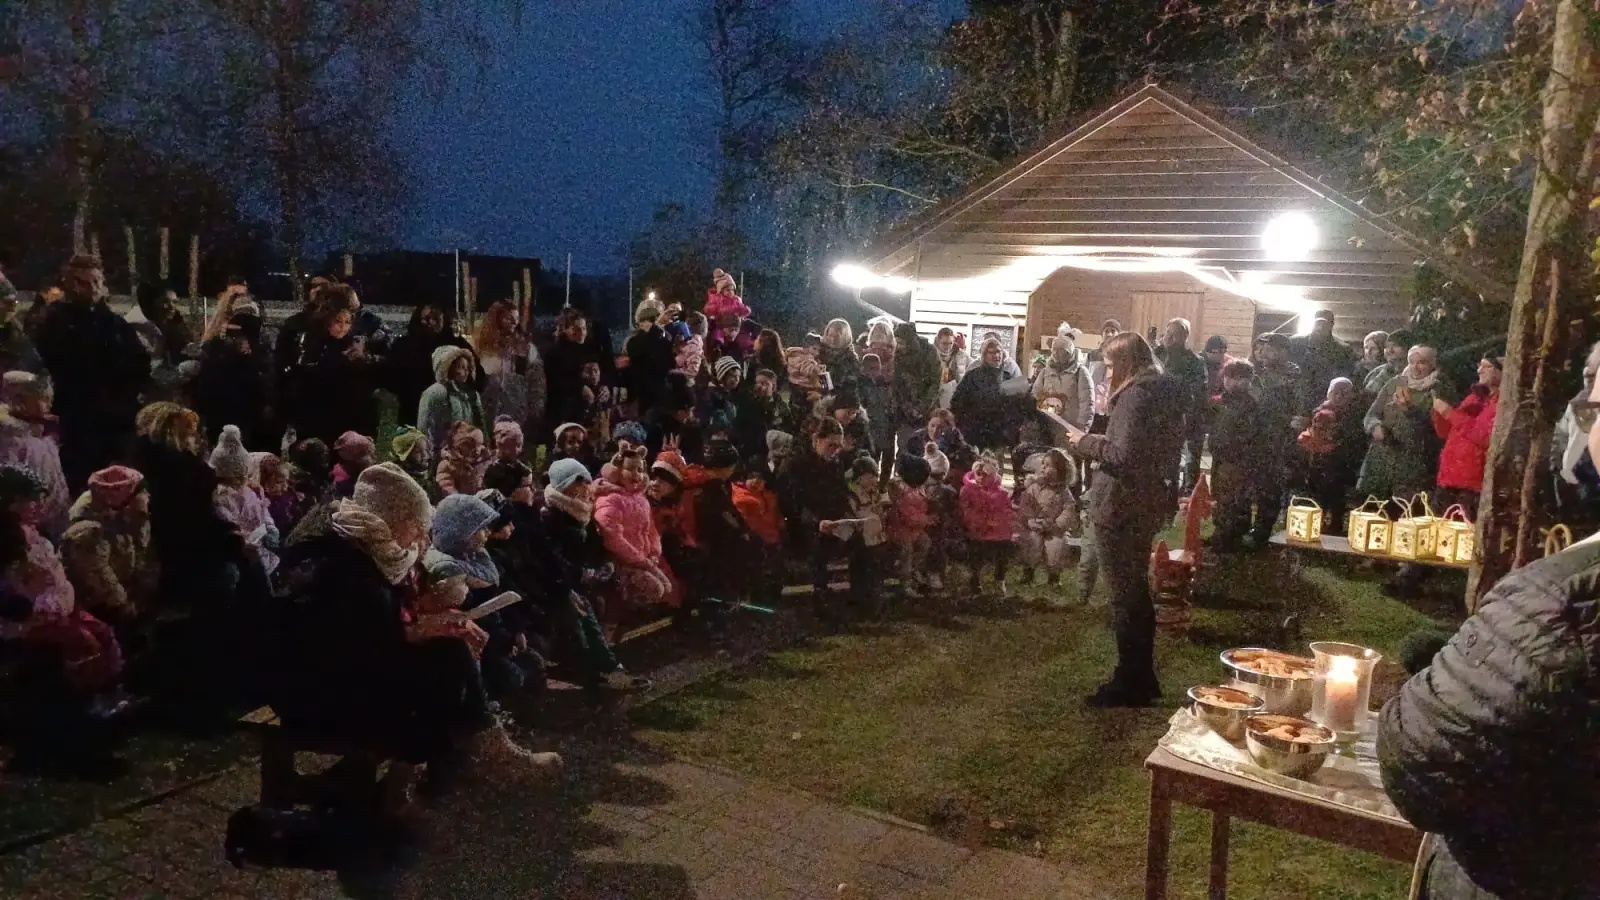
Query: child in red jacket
(987,515)
(909,523)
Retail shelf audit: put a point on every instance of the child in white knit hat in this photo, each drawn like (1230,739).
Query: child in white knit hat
(238,502)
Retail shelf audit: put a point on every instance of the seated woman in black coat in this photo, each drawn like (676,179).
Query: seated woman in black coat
(352,660)
(328,390)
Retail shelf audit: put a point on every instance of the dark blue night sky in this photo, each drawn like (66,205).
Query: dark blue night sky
(582,124)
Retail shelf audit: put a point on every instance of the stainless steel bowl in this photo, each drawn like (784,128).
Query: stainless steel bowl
(1297,759)
(1283,696)
(1224,720)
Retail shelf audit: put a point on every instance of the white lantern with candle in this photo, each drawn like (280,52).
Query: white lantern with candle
(1342,689)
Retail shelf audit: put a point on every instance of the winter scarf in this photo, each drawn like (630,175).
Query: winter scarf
(1420,385)
(578,509)
(372,535)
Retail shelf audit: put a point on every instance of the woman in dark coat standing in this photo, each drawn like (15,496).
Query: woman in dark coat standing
(916,386)
(408,368)
(987,417)
(1130,498)
(231,386)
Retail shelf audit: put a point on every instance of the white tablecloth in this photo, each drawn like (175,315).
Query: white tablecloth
(1349,778)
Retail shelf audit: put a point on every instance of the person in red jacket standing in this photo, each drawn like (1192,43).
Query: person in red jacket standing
(1466,429)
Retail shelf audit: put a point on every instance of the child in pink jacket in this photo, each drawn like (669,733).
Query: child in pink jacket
(622,515)
(987,516)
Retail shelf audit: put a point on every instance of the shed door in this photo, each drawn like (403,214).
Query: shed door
(1157,309)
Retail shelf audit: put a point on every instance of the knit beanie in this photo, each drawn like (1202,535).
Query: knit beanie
(406,440)
(17,386)
(632,432)
(17,483)
(114,486)
(862,467)
(229,458)
(914,470)
(386,491)
(564,426)
(564,473)
(353,447)
(507,429)
(780,445)
(720,453)
(457,519)
(506,475)
(648,310)
(669,465)
(724,365)
(938,463)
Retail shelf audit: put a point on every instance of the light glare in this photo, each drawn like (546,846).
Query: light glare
(1289,237)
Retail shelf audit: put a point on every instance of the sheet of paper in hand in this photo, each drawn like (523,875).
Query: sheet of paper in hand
(494,605)
(1062,430)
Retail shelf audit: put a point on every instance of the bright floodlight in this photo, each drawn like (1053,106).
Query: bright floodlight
(1289,237)
(897,285)
(853,276)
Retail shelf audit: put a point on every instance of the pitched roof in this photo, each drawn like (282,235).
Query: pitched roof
(950,213)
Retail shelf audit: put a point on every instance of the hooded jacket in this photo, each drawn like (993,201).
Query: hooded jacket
(760,511)
(109,558)
(1049,503)
(445,403)
(626,525)
(985,510)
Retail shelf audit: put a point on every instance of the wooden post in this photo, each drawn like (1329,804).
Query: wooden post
(466,294)
(1555,287)
(94,246)
(194,278)
(166,247)
(516,296)
(349,264)
(472,302)
(527,297)
(133,261)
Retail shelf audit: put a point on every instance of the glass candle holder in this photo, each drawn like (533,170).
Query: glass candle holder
(1342,688)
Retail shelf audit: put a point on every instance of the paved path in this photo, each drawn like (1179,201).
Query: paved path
(626,827)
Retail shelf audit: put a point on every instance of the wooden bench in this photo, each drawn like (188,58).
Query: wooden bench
(283,786)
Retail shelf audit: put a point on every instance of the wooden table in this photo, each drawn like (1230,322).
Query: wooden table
(1340,546)
(1229,796)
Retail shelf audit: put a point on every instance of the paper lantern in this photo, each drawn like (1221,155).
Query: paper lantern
(1413,536)
(1369,528)
(1303,521)
(1457,542)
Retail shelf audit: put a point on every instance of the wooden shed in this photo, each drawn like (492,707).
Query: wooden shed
(1150,210)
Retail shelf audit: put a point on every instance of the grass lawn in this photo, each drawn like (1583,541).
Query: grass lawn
(973,725)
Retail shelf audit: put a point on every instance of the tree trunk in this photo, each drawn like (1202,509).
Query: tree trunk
(1554,288)
(288,85)
(82,116)
(1064,75)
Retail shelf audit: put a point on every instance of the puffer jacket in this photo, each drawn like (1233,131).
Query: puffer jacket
(626,526)
(1073,387)
(444,403)
(1494,747)
(1137,453)
(985,510)
(1048,503)
(1466,434)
